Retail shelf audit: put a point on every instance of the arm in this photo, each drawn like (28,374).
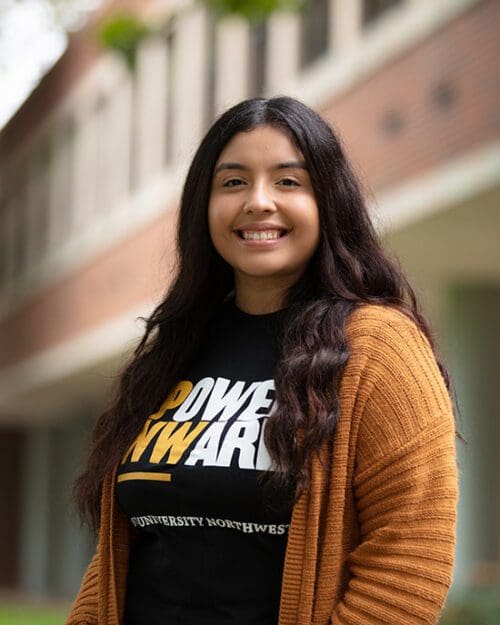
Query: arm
(405,487)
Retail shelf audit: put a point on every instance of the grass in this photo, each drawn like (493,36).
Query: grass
(15,614)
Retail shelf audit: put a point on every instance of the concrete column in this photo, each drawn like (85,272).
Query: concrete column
(103,159)
(232,62)
(345,24)
(70,547)
(151,108)
(31,204)
(54,549)
(60,188)
(473,341)
(188,82)
(34,556)
(119,140)
(283,50)
(85,168)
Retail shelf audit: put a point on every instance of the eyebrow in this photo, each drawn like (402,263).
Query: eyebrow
(287,165)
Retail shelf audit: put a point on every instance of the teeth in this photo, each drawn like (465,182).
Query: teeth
(271,234)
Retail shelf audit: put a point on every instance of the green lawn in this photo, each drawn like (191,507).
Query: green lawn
(474,607)
(11,614)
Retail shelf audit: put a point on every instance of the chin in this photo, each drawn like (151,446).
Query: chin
(263,272)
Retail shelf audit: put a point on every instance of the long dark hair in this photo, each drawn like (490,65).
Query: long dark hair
(349,268)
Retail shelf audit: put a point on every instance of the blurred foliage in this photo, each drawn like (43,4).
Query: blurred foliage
(123,32)
(253,10)
(474,607)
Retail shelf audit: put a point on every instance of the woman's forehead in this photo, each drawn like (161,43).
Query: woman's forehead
(261,143)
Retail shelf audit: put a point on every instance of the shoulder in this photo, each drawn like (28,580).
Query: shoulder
(373,317)
(384,329)
(388,336)
(397,367)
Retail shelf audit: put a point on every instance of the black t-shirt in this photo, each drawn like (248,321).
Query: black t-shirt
(210,547)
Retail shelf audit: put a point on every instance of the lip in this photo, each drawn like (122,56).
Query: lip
(261,225)
(261,242)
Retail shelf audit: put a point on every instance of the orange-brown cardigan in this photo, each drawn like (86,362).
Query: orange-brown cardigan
(373,542)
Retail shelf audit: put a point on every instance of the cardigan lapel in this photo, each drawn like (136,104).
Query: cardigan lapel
(292,570)
(114,551)
(299,571)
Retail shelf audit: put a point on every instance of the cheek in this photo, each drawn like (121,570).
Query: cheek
(213,220)
(309,227)
(218,228)
(317,233)
(315,224)
(218,215)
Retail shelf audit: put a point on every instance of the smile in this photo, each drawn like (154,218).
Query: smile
(261,234)
(264,238)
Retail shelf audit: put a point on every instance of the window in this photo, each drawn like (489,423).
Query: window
(314,25)
(373,9)
(17,210)
(9,239)
(258,53)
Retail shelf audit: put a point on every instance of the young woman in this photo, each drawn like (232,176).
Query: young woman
(281,446)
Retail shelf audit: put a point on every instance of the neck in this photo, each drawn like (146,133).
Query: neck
(257,297)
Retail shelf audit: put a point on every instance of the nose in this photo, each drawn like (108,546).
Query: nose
(258,199)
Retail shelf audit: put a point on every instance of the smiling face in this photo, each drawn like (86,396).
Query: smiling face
(260,185)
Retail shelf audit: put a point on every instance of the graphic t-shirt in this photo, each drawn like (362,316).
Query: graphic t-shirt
(210,546)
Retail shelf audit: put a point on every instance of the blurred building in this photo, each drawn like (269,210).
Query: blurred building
(91,168)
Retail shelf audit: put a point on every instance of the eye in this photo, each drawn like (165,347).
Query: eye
(226,184)
(289,180)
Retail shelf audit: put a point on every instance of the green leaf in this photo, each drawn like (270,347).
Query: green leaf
(253,10)
(123,32)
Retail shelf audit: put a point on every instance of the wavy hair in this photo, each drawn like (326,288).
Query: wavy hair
(349,268)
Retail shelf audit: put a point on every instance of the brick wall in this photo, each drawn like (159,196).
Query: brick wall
(435,102)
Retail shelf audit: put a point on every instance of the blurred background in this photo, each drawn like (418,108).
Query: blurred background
(102,105)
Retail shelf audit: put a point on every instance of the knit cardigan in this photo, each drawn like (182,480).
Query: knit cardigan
(372,542)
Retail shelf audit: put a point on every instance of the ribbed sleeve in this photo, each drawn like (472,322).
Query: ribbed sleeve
(405,486)
(84,608)
(373,541)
